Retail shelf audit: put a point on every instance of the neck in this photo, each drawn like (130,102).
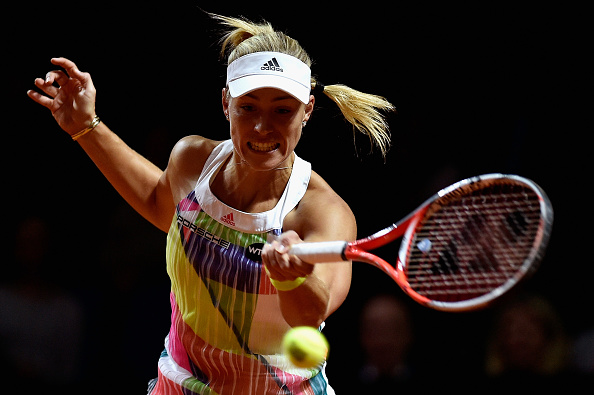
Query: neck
(243,162)
(238,185)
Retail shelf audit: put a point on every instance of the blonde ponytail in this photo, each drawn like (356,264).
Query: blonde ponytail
(362,110)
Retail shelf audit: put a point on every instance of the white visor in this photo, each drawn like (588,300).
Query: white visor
(269,70)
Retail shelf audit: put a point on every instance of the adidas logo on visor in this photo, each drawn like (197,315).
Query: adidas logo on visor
(272,64)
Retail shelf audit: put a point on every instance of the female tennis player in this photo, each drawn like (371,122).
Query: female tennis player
(233,297)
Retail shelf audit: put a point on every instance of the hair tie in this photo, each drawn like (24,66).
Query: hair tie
(318,88)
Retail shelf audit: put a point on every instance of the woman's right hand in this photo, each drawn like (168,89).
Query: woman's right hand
(72,103)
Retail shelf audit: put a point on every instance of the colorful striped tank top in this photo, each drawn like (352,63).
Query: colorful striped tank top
(226,324)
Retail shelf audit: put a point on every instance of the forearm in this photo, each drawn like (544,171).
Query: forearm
(133,176)
(143,185)
(308,304)
(311,301)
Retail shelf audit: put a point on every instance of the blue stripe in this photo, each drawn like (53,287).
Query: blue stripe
(228,266)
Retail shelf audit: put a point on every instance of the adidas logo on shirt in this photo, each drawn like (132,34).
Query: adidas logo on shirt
(272,64)
(228,219)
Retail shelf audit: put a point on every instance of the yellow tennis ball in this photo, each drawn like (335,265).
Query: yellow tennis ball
(305,346)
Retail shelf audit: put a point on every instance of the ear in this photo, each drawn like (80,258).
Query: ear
(309,108)
(225,102)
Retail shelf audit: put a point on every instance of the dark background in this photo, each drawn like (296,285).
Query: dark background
(478,89)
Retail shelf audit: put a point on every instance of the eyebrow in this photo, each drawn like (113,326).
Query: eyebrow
(278,98)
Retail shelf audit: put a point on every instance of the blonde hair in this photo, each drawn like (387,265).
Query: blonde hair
(362,110)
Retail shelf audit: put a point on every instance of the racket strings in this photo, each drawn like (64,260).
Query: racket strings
(472,244)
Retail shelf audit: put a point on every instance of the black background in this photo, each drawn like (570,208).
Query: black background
(478,89)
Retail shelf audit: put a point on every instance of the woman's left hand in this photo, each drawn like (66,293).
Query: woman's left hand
(280,264)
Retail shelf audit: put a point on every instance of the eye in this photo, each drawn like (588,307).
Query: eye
(283,110)
(247,107)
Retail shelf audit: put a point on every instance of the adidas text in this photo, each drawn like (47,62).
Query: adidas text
(273,68)
(272,64)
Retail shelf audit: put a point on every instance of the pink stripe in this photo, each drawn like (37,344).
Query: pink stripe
(188,205)
(176,348)
(166,386)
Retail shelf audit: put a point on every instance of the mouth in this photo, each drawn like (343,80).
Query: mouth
(263,147)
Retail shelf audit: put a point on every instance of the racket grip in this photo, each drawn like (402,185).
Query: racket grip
(320,252)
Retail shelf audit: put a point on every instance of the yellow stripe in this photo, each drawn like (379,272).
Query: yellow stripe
(193,299)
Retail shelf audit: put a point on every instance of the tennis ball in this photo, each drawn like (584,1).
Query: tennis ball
(305,346)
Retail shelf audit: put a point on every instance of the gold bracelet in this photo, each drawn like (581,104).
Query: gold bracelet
(285,285)
(94,124)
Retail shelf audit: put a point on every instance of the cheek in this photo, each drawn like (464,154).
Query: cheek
(293,127)
(238,127)
(239,142)
(293,136)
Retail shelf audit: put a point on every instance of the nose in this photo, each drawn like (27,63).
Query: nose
(263,125)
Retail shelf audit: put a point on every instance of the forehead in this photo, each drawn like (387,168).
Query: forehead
(268,95)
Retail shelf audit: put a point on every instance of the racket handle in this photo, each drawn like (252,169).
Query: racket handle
(320,252)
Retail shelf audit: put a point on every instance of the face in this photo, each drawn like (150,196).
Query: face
(265,125)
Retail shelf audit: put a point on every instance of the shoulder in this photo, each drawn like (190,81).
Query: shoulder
(194,148)
(186,161)
(320,192)
(322,214)
(189,155)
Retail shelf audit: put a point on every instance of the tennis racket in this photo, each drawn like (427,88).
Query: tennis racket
(463,248)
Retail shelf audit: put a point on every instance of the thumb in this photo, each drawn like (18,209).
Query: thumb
(287,240)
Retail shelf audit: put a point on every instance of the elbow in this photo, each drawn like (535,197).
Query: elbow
(308,316)
(310,310)
(305,319)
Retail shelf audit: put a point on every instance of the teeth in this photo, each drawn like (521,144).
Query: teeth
(263,147)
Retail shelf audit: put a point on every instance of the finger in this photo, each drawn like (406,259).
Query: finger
(281,265)
(70,68)
(278,247)
(39,98)
(301,267)
(289,267)
(274,266)
(74,73)
(47,88)
(281,259)
(57,76)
